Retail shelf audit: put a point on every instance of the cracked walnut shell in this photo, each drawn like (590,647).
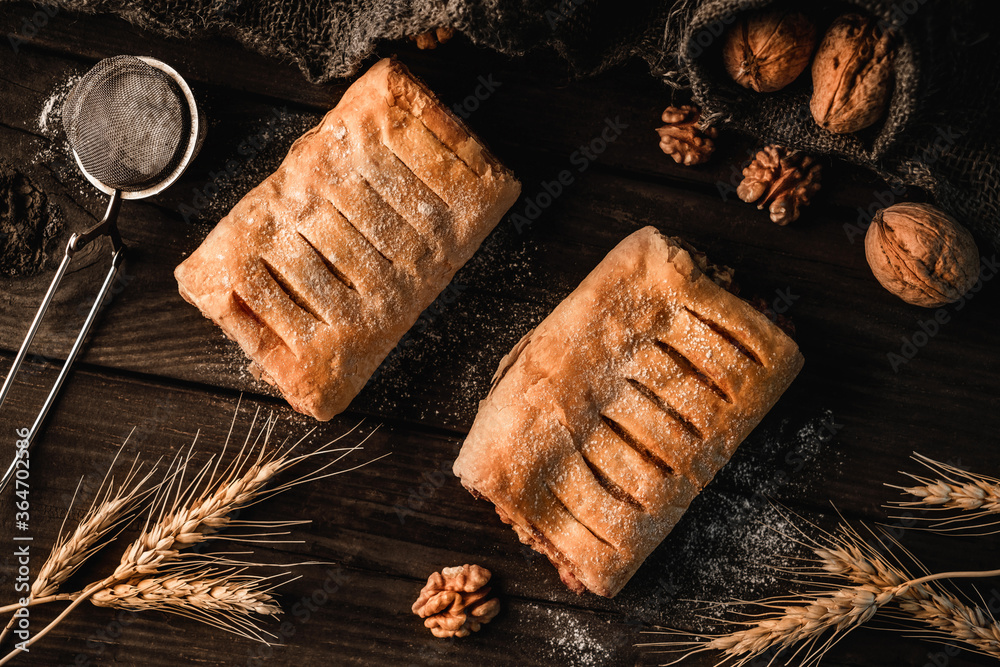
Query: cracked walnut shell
(683,139)
(766,51)
(454,601)
(852,75)
(781,180)
(921,254)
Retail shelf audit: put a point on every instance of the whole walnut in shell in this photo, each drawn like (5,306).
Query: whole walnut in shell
(921,254)
(852,75)
(767,50)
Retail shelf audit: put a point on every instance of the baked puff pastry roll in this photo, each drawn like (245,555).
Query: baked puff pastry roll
(607,420)
(320,270)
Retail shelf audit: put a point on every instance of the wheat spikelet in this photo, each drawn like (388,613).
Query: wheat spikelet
(846,555)
(112,509)
(949,618)
(808,624)
(227,599)
(223,593)
(972,498)
(191,523)
(871,582)
(806,621)
(109,510)
(182,513)
(186,516)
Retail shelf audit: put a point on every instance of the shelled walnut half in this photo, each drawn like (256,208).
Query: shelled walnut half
(683,138)
(455,602)
(781,180)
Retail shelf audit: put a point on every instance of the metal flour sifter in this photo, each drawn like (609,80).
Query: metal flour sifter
(133,127)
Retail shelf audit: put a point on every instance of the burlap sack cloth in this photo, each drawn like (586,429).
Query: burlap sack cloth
(940,134)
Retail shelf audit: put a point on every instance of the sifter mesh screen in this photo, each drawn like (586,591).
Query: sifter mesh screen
(128,122)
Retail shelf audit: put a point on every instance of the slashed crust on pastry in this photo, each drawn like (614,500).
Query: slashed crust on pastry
(319,271)
(608,418)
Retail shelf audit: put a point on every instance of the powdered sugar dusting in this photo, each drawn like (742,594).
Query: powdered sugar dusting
(726,548)
(447,338)
(782,456)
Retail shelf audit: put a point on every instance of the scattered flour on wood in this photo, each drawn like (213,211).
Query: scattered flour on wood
(784,456)
(458,342)
(737,551)
(49,121)
(573,642)
(54,153)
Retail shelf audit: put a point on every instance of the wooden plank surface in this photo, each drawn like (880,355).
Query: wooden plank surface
(153,362)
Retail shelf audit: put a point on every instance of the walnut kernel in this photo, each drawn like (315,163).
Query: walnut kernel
(683,138)
(454,601)
(781,180)
(432,38)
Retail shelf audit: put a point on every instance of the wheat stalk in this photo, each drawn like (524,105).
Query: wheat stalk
(845,554)
(108,511)
(948,618)
(185,516)
(205,590)
(974,499)
(183,513)
(814,621)
(848,556)
(194,520)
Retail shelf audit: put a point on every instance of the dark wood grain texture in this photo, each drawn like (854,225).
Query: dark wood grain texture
(847,425)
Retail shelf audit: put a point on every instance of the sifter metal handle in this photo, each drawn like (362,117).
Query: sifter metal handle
(77,242)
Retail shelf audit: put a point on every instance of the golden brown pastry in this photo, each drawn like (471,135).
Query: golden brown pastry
(606,421)
(319,270)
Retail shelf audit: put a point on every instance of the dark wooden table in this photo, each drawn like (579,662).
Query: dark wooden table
(847,425)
